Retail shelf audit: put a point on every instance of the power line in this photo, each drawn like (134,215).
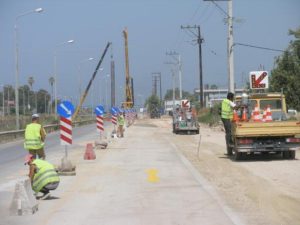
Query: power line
(222,10)
(259,47)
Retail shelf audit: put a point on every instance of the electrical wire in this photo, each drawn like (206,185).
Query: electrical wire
(222,10)
(259,47)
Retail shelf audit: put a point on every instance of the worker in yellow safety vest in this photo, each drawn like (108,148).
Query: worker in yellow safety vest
(226,116)
(35,136)
(43,176)
(121,123)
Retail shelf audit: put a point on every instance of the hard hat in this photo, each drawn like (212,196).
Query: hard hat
(35,116)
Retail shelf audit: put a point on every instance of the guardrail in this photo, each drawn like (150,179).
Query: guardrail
(7,136)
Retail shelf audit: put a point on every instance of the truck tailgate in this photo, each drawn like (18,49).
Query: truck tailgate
(263,129)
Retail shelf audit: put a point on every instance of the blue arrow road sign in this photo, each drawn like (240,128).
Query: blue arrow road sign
(114,110)
(99,110)
(65,109)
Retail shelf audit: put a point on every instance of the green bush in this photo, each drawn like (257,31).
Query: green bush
(210,116)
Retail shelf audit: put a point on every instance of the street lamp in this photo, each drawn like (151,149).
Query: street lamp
(55,73)
(38,10)
(106,90)
(3,110)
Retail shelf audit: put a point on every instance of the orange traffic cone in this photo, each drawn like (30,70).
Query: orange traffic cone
(235,116)
(89,152)
(269,114)
(244,116)
(256,114)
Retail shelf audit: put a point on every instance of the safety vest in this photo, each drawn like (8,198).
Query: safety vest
(121,120)
(227,112)
(33,136)
(45,174)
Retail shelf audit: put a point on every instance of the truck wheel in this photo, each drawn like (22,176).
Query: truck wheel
(286,154)
(237,156)
(229,151)
(292,154)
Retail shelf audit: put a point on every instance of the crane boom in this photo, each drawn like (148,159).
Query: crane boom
(90,83)
(129,100)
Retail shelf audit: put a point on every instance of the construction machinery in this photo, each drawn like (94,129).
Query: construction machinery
(128,83)
(90,83)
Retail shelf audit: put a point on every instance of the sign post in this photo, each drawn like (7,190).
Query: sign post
(65,110)
(99,111)
(114,112)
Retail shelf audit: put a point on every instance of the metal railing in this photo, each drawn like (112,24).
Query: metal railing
(7,136)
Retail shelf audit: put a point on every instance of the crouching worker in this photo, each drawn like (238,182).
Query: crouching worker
(43,176)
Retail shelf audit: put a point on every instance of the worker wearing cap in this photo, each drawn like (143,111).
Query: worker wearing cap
(226,116)
(35,137)
(121,123)
(43,176)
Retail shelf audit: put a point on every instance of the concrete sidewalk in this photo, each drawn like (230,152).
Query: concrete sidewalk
(139,180)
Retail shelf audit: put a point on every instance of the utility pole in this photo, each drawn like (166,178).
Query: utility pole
(230,43)
(230,49)
(173,78)
(199,41)
(156,76)
(179,63)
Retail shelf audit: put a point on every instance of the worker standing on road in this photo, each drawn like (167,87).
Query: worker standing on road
(42,175)
(35,136)
(227,115)
(121,123)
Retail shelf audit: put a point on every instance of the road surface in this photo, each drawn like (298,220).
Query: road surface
(153,176)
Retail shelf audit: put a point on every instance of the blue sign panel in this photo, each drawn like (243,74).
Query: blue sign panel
(99,110)
(65,109)
(114,110)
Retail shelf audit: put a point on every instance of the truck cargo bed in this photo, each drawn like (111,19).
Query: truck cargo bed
(263,129)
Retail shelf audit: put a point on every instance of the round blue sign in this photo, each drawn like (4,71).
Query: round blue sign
(99,110)
(65,109)
(114,110)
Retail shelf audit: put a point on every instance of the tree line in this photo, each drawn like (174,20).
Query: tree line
(29,101)
(286,73)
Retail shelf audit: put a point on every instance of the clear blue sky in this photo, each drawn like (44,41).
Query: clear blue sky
(154,28)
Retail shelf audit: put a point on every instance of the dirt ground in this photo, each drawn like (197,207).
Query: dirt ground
(263,189)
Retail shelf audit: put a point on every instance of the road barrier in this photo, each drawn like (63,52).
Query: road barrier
(23,202)
(7,136)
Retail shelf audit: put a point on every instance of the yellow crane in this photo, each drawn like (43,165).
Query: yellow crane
(90,83)
(128,92)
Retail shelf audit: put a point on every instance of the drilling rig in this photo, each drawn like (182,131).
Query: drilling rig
(128,82)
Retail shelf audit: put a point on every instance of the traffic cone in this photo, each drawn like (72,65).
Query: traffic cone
(269,114)
(244,116)
(235,116)
(89,152)
(256,114)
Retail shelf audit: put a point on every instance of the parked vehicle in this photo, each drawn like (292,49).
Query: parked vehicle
(258,135)
(184,121)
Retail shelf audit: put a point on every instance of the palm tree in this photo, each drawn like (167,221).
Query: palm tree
(51,81)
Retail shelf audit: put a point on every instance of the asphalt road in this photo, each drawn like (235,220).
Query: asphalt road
(12,154)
